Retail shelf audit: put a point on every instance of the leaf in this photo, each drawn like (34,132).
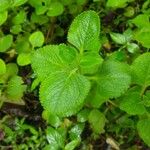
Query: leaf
(55,9)
(143,128)
(24,59)
(132,48)
(2,67)
(63,94)
(3,17)
(117,3)
(84,31)
(118,38)
(131,102)
(141,20)
(15,88)
(36,39)
(17,3)
(72,145)
(82,116)
(55,139)
(90,63)
(5,42)
(110,75)
(4,4)
(19,18)
(142,36)
(141,70)
(97,121)
(54,58)
(76,131)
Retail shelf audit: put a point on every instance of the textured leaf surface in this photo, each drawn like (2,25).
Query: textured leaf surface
(132,103)
(52,58)
(84,31)
(90,63)
(54,138)
(63,94)
(143,127)
(141,70)
(114,79)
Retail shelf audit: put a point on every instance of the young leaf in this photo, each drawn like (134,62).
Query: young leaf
(17,3)
(36,39)
(84,31)
(55,9)
(116,3)
(90,63)
(4,4)
(142,36)
(54,58)
(141,70)
(110,75)
(55,139)
(15,88)
(5,42)
(3,17)
(118,38)
(63,94)
(97,121)
(2,67)
(24,59)
(72,145)
(143,128)
(131,102)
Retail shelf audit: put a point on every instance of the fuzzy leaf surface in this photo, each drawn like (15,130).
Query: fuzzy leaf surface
(63,94)
(84,31)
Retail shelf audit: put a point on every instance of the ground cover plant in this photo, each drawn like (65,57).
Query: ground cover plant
(74,75)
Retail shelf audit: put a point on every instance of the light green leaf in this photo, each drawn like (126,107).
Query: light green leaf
(132,48)
(63,94)
(55,9)
(4,4)
(24,59)
(141,70)
(143,128)
(36,39)
(53,120)
(19,18)
(84,31)
(15,88)
(131,102)
(53,58)
(76,131)
(97,121)
(117,3)
(3,17)
(5,42)
(72,145)
(142,36)
(118,38)
(110,75)
(2,67)
(55,139)
(17,3)
(90,63)
(141,20)
(82,116)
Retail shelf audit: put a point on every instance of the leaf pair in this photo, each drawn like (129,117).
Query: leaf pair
(63,88)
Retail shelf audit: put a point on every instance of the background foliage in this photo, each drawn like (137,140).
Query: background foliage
(74,74)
